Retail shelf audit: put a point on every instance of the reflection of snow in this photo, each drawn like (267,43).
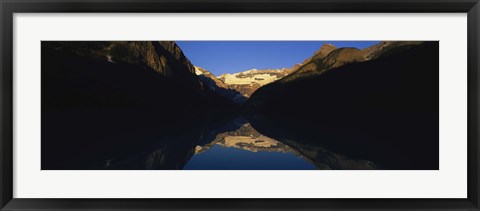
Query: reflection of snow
(253,143)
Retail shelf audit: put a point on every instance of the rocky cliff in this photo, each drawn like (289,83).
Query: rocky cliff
(219,86)
(351,94)
(328,58)
(118,98)
(122,74)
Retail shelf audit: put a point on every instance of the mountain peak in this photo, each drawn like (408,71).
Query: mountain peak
(328,45)
(326,49)
(321,53)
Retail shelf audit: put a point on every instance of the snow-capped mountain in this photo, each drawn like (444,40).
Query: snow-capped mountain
(219,86)
(249,81)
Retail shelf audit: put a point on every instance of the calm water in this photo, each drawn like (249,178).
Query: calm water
(246,149)
(234,158)
(228,144)
(120,142)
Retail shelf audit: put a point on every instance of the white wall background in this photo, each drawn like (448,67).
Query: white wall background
(448,182)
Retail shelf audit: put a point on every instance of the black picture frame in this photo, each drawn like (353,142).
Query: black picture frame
(9,7)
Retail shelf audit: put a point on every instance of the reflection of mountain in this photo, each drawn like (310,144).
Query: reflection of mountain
(109,99)
(309,146)
(384,109)
(249,139)
(169,149)
(245,138)
(143,105)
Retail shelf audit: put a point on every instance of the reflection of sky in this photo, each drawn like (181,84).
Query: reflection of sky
(225,158)
(235,56)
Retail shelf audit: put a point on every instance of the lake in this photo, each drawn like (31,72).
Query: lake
(226,143)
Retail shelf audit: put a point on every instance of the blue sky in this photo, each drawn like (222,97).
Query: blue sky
(221,57)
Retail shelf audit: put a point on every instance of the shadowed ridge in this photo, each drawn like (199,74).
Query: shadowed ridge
(363,106)
(219,86)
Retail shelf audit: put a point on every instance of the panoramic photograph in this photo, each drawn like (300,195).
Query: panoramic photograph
(240,105)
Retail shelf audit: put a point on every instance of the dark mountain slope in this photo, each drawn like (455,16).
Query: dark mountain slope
(219,86)
(386,47)
(403,81)
(389,103)
(109,99)
(122,75)
(329,57)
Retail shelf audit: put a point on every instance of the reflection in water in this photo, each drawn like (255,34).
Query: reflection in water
(221,143)
(245,138)
(236,145)
(230,158)
(245,148)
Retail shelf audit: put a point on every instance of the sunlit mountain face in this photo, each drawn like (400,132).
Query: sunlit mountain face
(143,105)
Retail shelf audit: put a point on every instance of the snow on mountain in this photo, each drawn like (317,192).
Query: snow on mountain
(248,81)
